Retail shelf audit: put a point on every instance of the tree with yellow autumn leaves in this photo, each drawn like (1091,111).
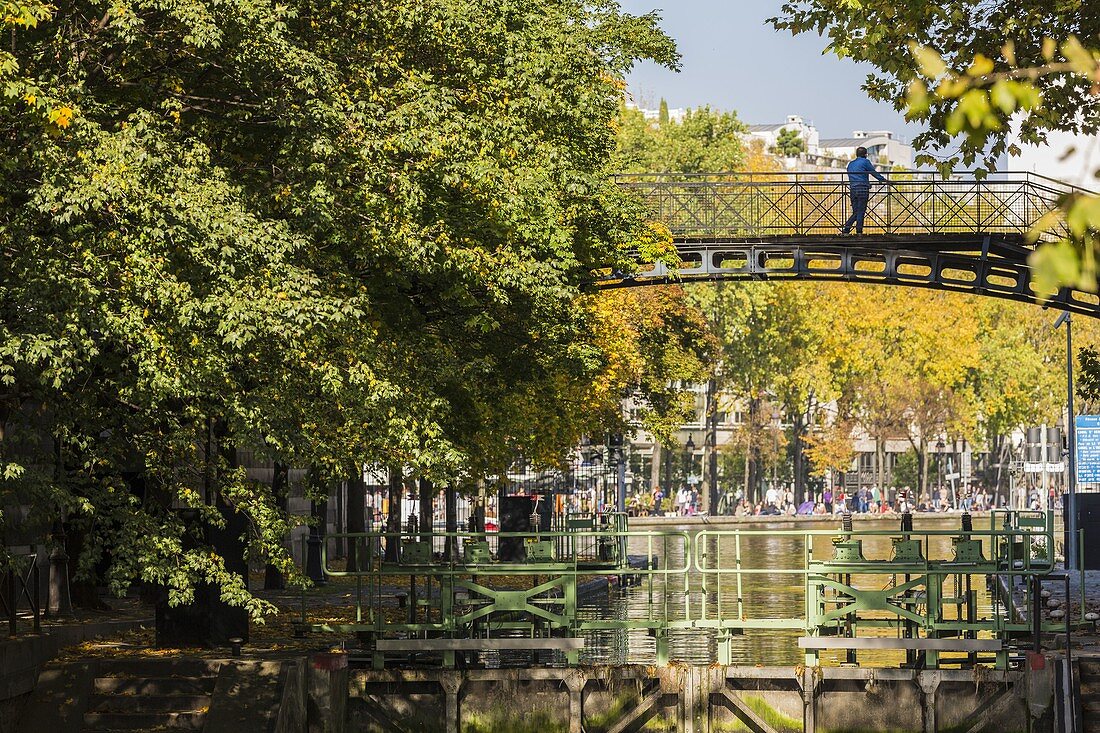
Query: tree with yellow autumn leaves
(895,364)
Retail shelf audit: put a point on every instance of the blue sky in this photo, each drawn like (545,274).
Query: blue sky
(732,60)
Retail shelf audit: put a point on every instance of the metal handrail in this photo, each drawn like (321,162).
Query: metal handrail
(695,561)
(459,565)
(705,205)
(992,534)
(955,177)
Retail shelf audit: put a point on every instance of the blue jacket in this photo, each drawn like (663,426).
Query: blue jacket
(857,173)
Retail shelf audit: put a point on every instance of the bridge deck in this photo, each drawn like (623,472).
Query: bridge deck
(1000,244)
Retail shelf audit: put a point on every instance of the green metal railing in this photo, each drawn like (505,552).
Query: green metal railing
(697,580)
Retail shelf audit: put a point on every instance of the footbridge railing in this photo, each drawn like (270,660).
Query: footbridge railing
(726,206)
(924,592)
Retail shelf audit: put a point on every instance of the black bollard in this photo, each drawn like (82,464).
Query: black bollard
(967,520)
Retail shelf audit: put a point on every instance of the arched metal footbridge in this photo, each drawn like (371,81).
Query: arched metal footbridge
(961,233)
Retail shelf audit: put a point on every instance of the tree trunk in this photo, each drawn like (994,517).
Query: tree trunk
(748,477)
(710,451)
(799,462)
(340,495)
(83,592)
(1004,453)
(880,462)
(655,466)
(450,548)
(752,455)
(357,520)
(227,621)
(231,547)
(393,517)
(922,463)
(479,509)
(273,579)
(426,510)
(1001,447)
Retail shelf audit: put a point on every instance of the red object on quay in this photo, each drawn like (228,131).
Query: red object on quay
(329,661)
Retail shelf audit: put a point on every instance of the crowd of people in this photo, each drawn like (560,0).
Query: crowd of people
(682,503)
(780,501)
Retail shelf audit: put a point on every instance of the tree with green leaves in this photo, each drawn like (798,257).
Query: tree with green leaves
(903,364)
(768,356)
(789,143)
(983,76)
(1020,379)
(704,141)
(978,74)
(994,43)
(328,235)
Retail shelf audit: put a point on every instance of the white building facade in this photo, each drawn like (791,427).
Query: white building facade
(884,148)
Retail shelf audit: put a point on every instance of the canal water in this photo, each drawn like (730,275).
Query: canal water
(680,593)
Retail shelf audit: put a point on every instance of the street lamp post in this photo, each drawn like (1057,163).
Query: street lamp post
(777,422)
(939,450)
(599,482)
(956,471)
(617,449)
(710,442)
(666,462)
(689,456)
(1071,437)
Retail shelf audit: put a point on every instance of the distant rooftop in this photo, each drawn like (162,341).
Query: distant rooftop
(843,142)
(859,137)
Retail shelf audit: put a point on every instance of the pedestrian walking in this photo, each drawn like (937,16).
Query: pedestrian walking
(859,189)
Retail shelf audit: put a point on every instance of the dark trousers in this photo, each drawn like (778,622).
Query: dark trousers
(859,198)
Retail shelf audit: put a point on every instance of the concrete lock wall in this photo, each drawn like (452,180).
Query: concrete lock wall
(689,699)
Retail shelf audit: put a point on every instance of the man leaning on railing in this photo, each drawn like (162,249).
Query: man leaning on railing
(859,189)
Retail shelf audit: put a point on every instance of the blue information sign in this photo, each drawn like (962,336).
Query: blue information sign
(1088,449)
